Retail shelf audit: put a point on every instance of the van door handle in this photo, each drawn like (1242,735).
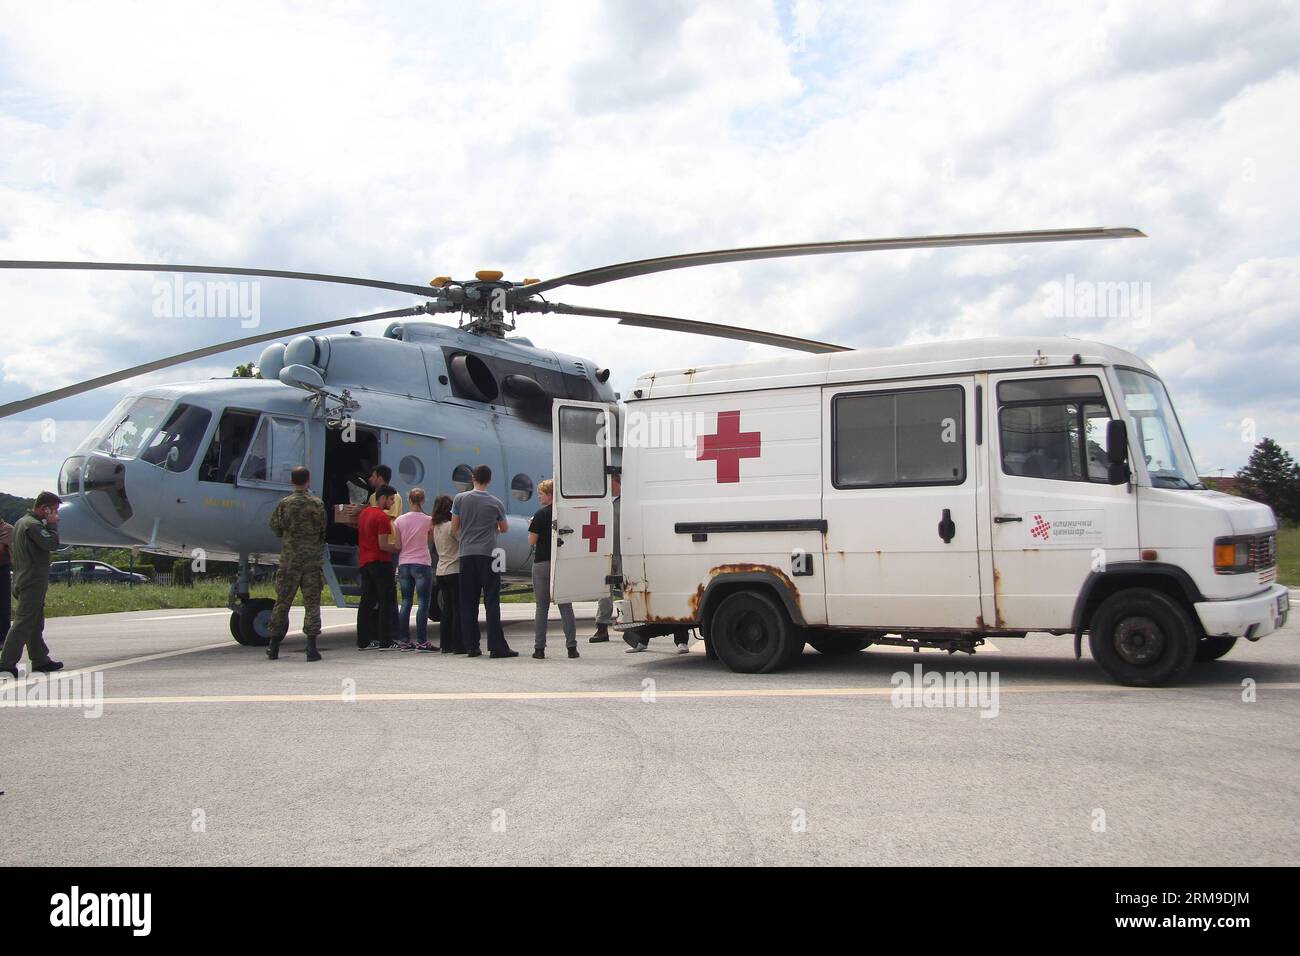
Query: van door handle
(947,530)
(1003,519)
(564,531)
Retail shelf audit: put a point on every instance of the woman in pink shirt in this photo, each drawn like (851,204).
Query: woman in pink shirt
(414,572)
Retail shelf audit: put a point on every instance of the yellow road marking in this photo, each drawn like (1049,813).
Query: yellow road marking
(718,693)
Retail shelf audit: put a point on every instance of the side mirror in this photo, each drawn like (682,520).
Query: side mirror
(1117,441)
(302,376)
(1117,471)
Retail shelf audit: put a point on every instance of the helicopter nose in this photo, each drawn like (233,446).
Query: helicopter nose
(93,523)
(79,526)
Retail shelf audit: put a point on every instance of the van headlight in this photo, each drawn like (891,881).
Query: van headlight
(1231,555)
(1240,554)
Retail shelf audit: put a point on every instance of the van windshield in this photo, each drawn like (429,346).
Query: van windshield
(1168,459)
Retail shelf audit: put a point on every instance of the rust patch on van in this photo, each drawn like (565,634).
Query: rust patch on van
(997,599)
(697,598)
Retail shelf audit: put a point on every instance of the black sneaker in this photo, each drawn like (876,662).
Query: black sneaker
(600,637)
(539,654)
(506,653)
(573,653)
(48,667)
(473,652)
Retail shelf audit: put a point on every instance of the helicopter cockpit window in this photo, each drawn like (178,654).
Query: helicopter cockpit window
(462,477)
(125,430)
(174,445)
(279,446)
(228,445)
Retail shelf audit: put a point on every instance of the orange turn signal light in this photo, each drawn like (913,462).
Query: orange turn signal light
(1225,555)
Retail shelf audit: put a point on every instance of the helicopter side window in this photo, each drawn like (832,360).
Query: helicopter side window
(174,445)
(228,446)
(279,446)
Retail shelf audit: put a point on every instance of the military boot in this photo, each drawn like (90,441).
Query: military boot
(273,649)
(312,653)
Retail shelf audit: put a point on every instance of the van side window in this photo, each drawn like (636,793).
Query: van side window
(1053,428)
(582,453)
(912,437)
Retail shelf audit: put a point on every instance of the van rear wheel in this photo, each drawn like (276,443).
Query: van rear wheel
(1143,638)
(1212,648)
(751,634)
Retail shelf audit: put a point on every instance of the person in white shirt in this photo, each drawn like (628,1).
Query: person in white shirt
(447,543)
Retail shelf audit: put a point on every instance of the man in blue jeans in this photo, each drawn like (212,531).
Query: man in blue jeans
(477,518)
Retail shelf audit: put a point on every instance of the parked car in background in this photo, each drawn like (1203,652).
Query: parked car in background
(92,572)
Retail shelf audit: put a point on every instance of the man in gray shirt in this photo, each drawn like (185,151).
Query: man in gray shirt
(477,518)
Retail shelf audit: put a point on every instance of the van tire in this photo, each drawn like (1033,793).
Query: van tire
(1143,638)
(1212,648)
(751,633)
(837,645)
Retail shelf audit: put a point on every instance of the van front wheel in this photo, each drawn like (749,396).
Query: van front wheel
(750,633)
(1143,638)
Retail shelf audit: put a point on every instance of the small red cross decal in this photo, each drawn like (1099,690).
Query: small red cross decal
(727,446)
(593,531)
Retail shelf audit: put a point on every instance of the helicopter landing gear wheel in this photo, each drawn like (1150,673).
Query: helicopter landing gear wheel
(235,630)
(255,622)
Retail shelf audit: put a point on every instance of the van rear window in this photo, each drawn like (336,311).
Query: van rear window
(911,437)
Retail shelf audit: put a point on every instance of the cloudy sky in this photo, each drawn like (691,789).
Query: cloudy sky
(403,141)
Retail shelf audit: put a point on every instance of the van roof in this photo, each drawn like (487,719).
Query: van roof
(953,357)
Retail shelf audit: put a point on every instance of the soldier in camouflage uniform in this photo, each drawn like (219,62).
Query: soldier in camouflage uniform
(299,522)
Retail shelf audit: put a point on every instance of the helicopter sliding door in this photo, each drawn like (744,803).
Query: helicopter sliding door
(583,435)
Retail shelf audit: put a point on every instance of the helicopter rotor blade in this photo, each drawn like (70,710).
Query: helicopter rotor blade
(640,267)
(220,270)
(671,324)
(13,408)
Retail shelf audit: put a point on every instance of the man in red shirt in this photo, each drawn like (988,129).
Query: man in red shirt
(378,608)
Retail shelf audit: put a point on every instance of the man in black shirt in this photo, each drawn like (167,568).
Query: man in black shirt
(539,536)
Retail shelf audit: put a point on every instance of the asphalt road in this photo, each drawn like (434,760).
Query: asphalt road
(207,753)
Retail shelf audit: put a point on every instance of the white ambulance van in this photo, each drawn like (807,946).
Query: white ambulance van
(930,495)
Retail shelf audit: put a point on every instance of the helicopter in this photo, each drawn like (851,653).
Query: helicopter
(194,469)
